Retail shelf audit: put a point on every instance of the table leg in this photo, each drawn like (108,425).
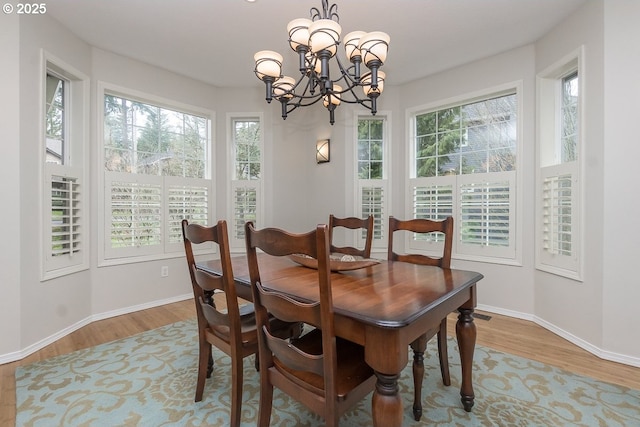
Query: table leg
(386,404)
(466,335)
(418,347)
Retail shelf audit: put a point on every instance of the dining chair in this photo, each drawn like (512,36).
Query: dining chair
(232,328)
(420,344)
(325,373)
(352,223)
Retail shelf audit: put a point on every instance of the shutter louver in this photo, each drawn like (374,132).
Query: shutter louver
(485,213)
(556,216)
(372,203)
(245,208)
(433,202)
(189,202)
(66,227)
(136,214)
(65,248)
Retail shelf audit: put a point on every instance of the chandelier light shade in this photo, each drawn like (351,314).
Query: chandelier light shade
(316,42)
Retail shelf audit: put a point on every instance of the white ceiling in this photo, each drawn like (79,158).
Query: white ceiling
(214,40)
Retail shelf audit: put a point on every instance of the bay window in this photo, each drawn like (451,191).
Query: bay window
(463,164)
(157,169)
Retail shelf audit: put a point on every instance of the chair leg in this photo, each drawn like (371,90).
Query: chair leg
(236,390)
(203,359)
(418,347)
(266,400)
(443,353)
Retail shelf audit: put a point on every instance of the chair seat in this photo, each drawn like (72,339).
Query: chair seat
(351,368)
(248,327)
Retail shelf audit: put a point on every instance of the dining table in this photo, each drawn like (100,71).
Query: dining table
(383,307)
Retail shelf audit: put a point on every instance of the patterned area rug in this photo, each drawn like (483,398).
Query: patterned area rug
(149,380)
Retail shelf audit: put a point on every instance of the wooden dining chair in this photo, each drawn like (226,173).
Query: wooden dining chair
(232,329)
(326,373)
(352,223)
(419,345)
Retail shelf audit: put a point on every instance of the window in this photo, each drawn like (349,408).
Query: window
(246,181)
(463,164)
(65,214)
(558,187)
(156,172)
(372,192)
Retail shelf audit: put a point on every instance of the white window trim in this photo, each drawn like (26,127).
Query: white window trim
(548,82)
(76,162)
(238,245)
(379,245)
(515,258)
(109,88)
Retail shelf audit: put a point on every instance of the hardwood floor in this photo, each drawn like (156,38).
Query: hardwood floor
(502,333)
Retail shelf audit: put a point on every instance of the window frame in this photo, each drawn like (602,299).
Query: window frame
(238,244)
(166,250)
(550,167)
(377,244)
(496,255)
(74,168)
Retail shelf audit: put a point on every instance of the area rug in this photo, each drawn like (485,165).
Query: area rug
(149,380)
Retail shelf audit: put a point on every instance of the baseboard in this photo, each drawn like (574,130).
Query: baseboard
(18,355)
(504,312)
(139,307)
(596,351)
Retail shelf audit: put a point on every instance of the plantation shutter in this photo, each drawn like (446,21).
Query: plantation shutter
(134,206)
(187,198)
(559,216)
(434,202)
(64,219)
(245,207)
(487,213)
(556,197)
(372,202)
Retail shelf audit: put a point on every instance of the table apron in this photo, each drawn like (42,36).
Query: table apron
(387,349)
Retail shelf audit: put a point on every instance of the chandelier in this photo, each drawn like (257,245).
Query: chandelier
(316,41)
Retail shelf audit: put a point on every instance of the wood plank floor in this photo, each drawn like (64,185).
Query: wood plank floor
(502,333)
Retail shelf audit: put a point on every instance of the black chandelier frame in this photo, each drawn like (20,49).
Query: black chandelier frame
(315,83)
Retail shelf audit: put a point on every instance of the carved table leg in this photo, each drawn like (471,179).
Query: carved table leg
(386,405)
(418,347)
(466,335)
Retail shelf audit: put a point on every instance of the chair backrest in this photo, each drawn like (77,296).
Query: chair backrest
(318,314)
(422,226)
(204,284)
(352,223)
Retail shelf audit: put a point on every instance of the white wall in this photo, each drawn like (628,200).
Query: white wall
(621,208)
(45,307)
(10,244)
(575,308)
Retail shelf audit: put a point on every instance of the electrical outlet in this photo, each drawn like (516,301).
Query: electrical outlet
(164,271)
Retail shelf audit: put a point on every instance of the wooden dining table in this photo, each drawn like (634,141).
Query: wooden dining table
(384,307)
